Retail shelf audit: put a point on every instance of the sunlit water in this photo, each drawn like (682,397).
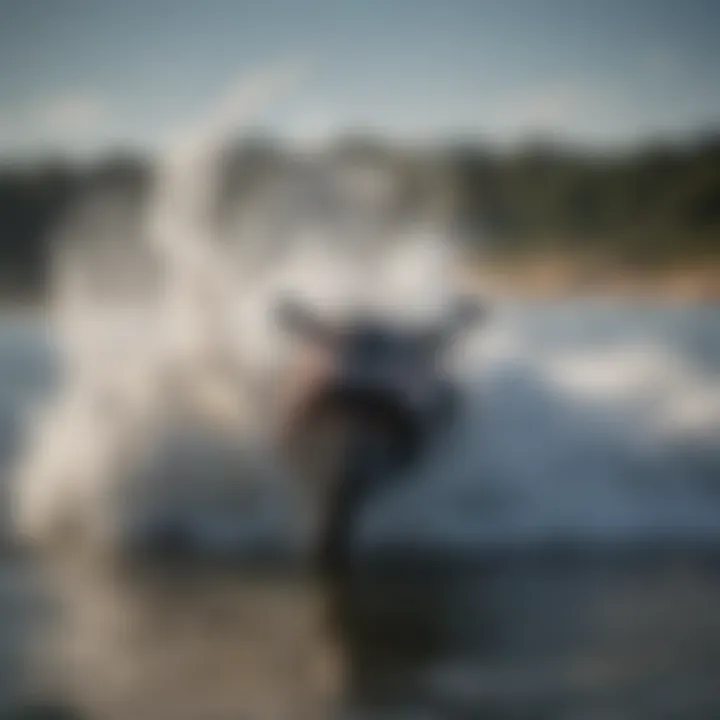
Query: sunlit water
(556,557)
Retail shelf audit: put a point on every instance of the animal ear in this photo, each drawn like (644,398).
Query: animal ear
(300,321)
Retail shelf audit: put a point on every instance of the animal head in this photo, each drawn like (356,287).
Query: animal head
(376,397)
(369,378)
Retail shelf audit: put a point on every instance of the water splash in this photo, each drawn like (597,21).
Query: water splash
(162,314)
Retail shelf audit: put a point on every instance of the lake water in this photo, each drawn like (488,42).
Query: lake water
(557,557)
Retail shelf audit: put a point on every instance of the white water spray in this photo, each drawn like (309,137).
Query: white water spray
(165,331)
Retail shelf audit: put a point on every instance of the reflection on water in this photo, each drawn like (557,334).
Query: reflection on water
(562,562)
(186,643)
(538,635)
(527,635)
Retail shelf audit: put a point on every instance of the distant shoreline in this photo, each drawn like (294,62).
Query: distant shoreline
(548,279)
(563,279)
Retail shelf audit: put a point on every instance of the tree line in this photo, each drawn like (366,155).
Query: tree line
(655,204)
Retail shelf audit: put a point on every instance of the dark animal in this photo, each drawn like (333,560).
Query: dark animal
(381,398)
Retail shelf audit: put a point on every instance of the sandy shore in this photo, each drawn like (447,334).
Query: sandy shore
(546,279)
(549,278)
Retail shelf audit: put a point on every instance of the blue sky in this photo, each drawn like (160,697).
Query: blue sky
(81,75)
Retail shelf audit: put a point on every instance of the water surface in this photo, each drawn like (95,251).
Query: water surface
(556,557)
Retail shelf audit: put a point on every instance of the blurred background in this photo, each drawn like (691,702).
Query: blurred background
(558,555)
(578,134)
